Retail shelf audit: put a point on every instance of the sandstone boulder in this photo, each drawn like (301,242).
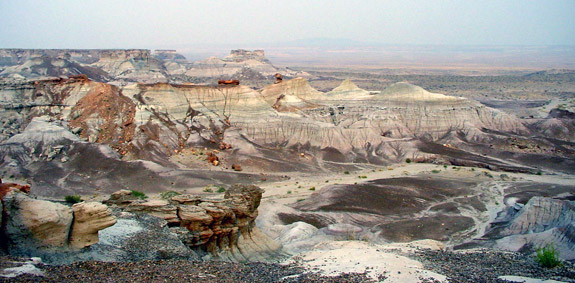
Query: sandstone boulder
(89,218)
(32,223)
(236,167)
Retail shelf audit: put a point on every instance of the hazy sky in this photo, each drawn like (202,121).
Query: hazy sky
(165,24)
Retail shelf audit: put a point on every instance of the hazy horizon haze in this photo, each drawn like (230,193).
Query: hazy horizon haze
(155,24)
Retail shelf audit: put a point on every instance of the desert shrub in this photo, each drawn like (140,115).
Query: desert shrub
(445,166)
(169,194)
(362,177)
(435,171)
(72,199)
(312,189)
(539,173)
(548,256)
(346,172)
(139,194)
(408,160)
(288,192)
(208,190)
(221,190)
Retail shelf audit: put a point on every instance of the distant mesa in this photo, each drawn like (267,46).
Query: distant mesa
(240,55)
(170,55)
(239,63)
(124,66)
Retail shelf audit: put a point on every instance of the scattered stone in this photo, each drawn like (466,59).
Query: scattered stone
(236,167)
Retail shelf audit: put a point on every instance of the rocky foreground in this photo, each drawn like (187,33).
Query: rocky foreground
(471,266)
(177,271)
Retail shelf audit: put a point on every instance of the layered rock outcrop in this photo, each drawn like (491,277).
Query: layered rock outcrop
(164,123)
(540,222)
(221,228)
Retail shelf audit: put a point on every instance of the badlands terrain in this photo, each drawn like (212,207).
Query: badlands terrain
(362,174)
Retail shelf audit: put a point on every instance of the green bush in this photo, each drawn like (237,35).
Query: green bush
(312,189)
(169,194)
(548,256)
(139,194)
(346,172)
(221,190)
(435,171)
(408,160)
(288,192)
(73,199)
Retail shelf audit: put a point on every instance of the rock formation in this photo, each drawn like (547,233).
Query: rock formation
(31,225)
(89,218)
(221,228)
(34,223)
(540,222)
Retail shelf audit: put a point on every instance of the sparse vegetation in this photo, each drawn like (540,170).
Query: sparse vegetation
(169,194)
(362,177)
(208,190)
(72,199)
(548,256)
(312,189)
(289,192)
(435,171)
(221,190)
(139,194)
(346,172)
(408,160)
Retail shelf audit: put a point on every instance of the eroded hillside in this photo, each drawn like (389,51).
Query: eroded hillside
(288,126)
